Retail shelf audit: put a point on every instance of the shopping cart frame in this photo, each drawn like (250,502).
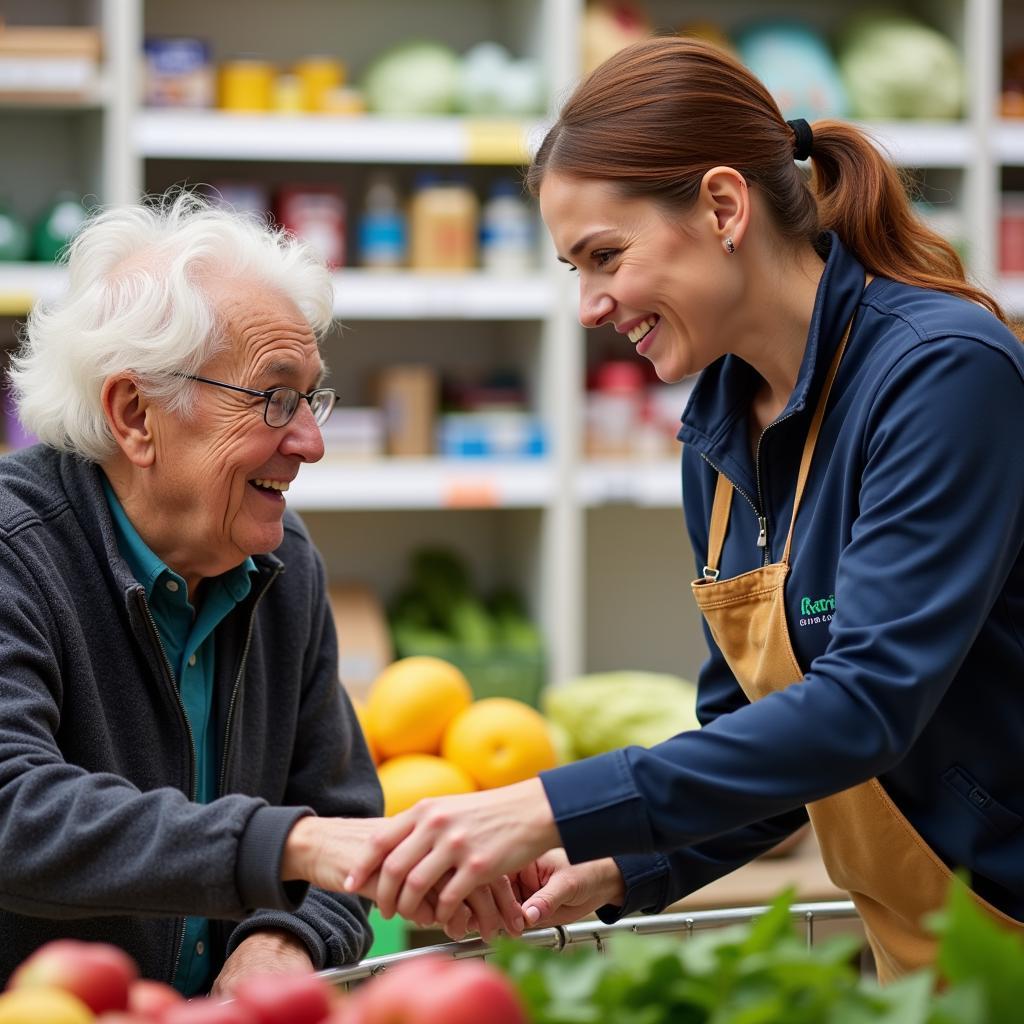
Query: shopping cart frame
(594,933)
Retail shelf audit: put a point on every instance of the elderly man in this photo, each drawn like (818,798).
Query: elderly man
(170,714)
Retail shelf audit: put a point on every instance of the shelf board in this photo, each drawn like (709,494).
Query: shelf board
(23,284)
(649,484)
(923,143)
(1008,142)
(1010,294)
(425,483)
(215,135)
(403,295)
(438,483)
(358,294)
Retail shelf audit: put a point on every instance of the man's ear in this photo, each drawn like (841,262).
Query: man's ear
(128,414)
(725,197)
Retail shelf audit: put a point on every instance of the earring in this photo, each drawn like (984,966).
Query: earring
(730,245)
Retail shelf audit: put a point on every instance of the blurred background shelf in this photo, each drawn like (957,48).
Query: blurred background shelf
(214,135)
(591,532)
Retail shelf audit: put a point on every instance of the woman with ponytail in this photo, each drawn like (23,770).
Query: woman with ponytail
(855,499)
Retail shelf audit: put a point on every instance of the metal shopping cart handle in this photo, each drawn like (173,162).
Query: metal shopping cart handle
(595,932)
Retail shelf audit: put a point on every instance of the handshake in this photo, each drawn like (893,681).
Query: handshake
(485,862)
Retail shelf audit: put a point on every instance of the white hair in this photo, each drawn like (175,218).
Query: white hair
(135,302)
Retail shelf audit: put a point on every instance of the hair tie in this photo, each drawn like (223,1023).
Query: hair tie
(804,143)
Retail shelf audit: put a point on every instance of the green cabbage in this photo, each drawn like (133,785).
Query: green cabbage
(419,77)
(896,67)
(618,709)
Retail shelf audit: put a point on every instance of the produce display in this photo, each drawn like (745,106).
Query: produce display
(430,738)
(440,613)
(66,982)
(764,973)
(757,973)
(602,712)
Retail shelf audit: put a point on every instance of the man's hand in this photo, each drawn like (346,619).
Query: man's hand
(323,850)
(269,952)
(475,837)
(553,891)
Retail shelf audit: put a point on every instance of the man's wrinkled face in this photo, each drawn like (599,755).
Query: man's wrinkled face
(223,472)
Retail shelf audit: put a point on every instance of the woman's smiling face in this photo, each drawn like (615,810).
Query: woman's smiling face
(664,281)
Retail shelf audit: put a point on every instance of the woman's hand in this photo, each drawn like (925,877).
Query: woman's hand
(553,891)
(478,837)
(323,850)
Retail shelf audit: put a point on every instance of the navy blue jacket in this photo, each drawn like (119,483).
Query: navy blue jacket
(905,604)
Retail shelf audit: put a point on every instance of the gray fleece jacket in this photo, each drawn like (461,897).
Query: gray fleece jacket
(98,837)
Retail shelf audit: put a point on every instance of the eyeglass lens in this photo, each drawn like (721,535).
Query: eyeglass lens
(281,405)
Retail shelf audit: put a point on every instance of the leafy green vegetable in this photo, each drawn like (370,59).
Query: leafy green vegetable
(764,973)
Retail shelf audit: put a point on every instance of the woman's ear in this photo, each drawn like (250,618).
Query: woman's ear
(128,415)
(726,199)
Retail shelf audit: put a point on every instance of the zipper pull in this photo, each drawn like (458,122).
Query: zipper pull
(762,537)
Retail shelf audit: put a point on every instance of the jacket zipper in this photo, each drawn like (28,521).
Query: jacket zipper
(169,677)
(762,522)
(238,682)
(762,537)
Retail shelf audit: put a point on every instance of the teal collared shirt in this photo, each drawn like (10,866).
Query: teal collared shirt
(187,636)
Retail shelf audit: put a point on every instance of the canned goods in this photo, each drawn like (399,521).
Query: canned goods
(247,84)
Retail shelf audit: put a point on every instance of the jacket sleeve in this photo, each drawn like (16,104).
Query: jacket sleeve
(332,773)
(938,529)
(76,843)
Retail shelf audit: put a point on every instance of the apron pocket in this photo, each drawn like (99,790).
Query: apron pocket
(1001,818)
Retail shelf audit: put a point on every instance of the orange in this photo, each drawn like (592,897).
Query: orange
(499,741)
(411,703)
(43,1006)
(360,709)
(410,778)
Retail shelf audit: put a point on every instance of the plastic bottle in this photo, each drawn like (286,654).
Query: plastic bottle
(444,226)
(382,227)
(507,230)
(57,226)
(14,242)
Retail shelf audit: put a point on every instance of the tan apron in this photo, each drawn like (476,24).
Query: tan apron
(868,846)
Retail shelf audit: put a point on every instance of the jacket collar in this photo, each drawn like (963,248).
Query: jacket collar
(83,483)
(715,419)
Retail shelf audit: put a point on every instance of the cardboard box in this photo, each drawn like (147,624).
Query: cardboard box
(408,396)
(364,640)
(43,63)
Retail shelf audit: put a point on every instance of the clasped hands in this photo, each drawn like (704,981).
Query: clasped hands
(483,862)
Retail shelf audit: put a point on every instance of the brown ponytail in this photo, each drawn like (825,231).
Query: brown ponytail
(659,114)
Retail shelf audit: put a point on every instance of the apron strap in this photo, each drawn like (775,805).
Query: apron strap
(812,437)
(719,526)
(723,489)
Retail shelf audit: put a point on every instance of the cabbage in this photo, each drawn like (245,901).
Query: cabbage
(896,67)
(419,77)
(619,709)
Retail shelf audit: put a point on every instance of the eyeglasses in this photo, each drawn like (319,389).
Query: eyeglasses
(281,403)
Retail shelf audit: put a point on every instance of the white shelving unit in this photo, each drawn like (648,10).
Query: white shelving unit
(600,547)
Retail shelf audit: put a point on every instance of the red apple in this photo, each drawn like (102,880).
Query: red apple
(440,991)
(207,1011)
(123,1017)
(97,973)
(152,999)
(285,998)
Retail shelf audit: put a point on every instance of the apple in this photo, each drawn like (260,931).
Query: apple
(152,999)
(439,991)
(285,998)
(123,1017)
(207,1011)
(97,973)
